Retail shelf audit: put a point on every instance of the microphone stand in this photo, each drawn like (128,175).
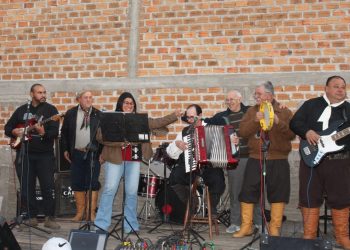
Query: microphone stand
(188,226)
(18,220)
(264,149)
(90,148)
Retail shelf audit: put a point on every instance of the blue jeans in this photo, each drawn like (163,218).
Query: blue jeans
(113,173)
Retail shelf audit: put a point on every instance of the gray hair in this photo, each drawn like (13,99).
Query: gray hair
(79,94)
(236,92)
(268,86)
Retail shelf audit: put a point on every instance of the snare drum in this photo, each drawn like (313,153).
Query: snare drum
(153,185)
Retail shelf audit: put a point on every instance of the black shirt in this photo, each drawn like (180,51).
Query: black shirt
(43,111)
(307,116)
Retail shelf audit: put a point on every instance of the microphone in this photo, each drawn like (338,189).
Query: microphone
(28,103)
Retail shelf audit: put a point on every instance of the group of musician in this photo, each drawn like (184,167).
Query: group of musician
(259,149)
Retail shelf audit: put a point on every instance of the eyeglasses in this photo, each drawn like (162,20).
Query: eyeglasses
(191,117)
(129,103)
(230,100)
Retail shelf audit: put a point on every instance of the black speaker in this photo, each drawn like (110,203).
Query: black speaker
(63,166)
(65,202)
(87,240)
(7,239)
(287,243)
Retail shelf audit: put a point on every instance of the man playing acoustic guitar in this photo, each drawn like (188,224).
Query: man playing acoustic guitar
(36,156)
(313,122)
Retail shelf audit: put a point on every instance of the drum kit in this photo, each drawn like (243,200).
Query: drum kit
(167,199)
(154,180)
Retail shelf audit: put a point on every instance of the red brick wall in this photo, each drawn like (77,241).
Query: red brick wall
(58,39)
(71,39)
(243,36)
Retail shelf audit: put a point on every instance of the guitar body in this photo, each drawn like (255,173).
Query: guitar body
(313,154)
(16,142)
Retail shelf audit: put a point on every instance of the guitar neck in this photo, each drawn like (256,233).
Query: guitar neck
(341,134)
(30,128)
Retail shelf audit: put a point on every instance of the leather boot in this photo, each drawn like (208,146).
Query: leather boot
(276,218)
(94,205)
(94,197)
(340,218)
(80,204)
(246,228)
(310,220)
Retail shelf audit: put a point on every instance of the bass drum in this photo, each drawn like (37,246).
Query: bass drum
(176,202)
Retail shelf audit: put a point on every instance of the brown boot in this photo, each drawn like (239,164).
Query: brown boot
(276,218)
(94,204)
(310,220)
(94,197)
(340,218)
(80,203)
(247,221)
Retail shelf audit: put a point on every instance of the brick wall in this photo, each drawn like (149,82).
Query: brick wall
(250,36)
(60,39)
(70,39)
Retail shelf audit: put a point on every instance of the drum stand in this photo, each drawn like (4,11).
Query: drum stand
(147,207)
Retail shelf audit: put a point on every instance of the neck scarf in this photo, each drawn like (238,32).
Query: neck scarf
(326,114)
(86,119)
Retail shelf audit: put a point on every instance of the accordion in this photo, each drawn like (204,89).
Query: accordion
(132,153)
(210,145)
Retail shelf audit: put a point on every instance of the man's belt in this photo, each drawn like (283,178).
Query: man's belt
(81,149)
(339,156)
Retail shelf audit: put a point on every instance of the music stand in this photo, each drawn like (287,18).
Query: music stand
(125,128)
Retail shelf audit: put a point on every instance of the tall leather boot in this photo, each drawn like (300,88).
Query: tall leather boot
(94,204)
(310,221)
(246,228)
(80,204)
(94,197)
(340,218)
(276,218)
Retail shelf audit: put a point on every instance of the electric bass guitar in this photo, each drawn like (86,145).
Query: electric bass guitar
(15,143)
(313,154)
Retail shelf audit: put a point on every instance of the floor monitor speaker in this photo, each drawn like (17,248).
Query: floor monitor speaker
(287,243)
(87,240)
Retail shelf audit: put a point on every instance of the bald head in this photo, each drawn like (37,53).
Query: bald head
(233,100)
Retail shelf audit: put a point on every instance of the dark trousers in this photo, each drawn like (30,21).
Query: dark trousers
(31,166)
(214,178)
(277,181)
(81,172)
(331,177)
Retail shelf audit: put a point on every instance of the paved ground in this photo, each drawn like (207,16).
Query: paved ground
(34,239)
